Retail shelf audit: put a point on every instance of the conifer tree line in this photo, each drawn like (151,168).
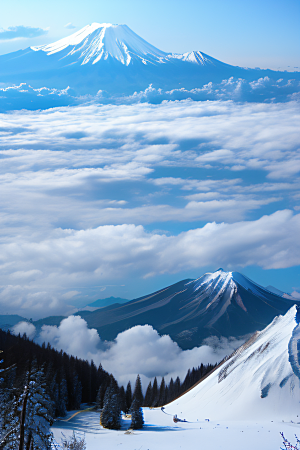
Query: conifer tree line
(43,383)
(70,381)
(159,395)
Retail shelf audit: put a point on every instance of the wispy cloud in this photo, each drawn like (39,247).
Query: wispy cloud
(70,26)
(21,32)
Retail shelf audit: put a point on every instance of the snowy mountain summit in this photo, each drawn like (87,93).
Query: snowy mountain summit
(113,59)
(219,304)
(259,381)
(220,289)
(102,41)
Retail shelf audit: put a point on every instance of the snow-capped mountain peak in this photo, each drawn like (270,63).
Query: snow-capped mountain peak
(105,41)
(100,41)
(215,292)
(195,57)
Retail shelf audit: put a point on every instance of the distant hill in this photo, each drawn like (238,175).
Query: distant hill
(9,320)
(102,302)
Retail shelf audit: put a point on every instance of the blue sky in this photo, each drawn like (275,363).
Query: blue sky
(247,33)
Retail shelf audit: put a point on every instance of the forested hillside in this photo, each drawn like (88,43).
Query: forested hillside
(40,383)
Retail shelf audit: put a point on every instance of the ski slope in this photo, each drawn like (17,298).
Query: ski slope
(257,382)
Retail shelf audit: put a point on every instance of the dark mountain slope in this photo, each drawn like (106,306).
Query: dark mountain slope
(217,304)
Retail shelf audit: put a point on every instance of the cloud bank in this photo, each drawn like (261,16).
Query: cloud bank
(239,90)
(24,328)
(110,253)
(137,350)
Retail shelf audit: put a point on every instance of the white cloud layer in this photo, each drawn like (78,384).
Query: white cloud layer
(137,350)
(36,273)
(103,195)
(24,328)
(237,89)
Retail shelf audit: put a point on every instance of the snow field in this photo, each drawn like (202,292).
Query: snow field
(160,432)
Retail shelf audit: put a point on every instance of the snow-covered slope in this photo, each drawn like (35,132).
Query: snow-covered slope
(258,382)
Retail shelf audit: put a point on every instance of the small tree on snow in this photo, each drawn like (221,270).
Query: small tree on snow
(138,394)
(137,417)
(128,396)
(73,443)
(111,413)
(288,445)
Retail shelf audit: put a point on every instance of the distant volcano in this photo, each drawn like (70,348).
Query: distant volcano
(216,304)
(114,59)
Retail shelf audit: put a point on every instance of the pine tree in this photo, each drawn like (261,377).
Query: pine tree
(100,396)
(171,391)
(177,386)
(111,413)
(128,396)
(30,417)
(75,442)
(166,395)
(162,398)
(155,393)
(137,418)
(148,395)
(122,396)
(76,396)
(54,390)
(38,419)
(62,398)
(138,394)
(8,424)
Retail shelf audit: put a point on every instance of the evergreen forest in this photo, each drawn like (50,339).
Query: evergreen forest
(39,383)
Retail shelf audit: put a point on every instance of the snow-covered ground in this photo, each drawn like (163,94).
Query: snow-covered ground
(160,432)
(243,405)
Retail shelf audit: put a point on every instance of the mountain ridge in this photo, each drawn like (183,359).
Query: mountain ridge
(221,304)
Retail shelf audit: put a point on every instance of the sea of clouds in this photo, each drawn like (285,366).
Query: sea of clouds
(263,89)
(98,195)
